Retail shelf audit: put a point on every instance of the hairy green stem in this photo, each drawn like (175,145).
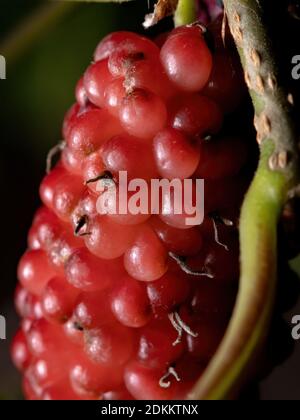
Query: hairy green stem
(276,174)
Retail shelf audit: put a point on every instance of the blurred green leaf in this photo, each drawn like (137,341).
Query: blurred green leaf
(32,27)
(41,81)
(40,86)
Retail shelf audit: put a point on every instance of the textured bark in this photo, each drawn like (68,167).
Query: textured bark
(276,175)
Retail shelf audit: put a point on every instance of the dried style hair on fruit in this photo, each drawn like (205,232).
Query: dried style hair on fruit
(135,306)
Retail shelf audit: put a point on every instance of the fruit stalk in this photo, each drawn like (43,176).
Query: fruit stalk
(185,12)
(276,175)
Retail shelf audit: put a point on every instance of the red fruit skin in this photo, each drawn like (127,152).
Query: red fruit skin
(134,111)
(45,372)
(72,161)
(109,43)
(96,78)
(28,306)
(149,74)
(45,229)
(187,59)
(58,299)
(102,296)
(88,376)
(167,293)
(44,337)
(183,242)
(112,41)
(20,352)
(195,115)
(60,191)
(92,167)
(213,300)
(222,263)
(34,271)
(30,393)
(226,84)
(63,391)
(92,310)
(90,130)
(81,93)
(183,206)
(161,39)
(209,334)
(118,394)
(156,347)
(45,341)
(142,382)
(66,196)
(221,158)
(113,95)
(62,248)
(176,156)
(129,52)
(147,259)
(88,273)
(123,152)
(111,345)
(69,119)
(47,187)
(74,332)
(130,303)
(134,214)
(86,207)
(109,240)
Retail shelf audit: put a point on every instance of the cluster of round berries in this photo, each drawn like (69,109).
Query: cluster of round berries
(134,306)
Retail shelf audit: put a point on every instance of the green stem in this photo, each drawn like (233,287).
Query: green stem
(276,174)
(185,12)
(32,28)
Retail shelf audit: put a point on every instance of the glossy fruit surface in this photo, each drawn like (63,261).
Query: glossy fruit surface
(133,306)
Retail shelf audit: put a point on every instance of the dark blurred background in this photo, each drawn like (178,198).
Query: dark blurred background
(42,70)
